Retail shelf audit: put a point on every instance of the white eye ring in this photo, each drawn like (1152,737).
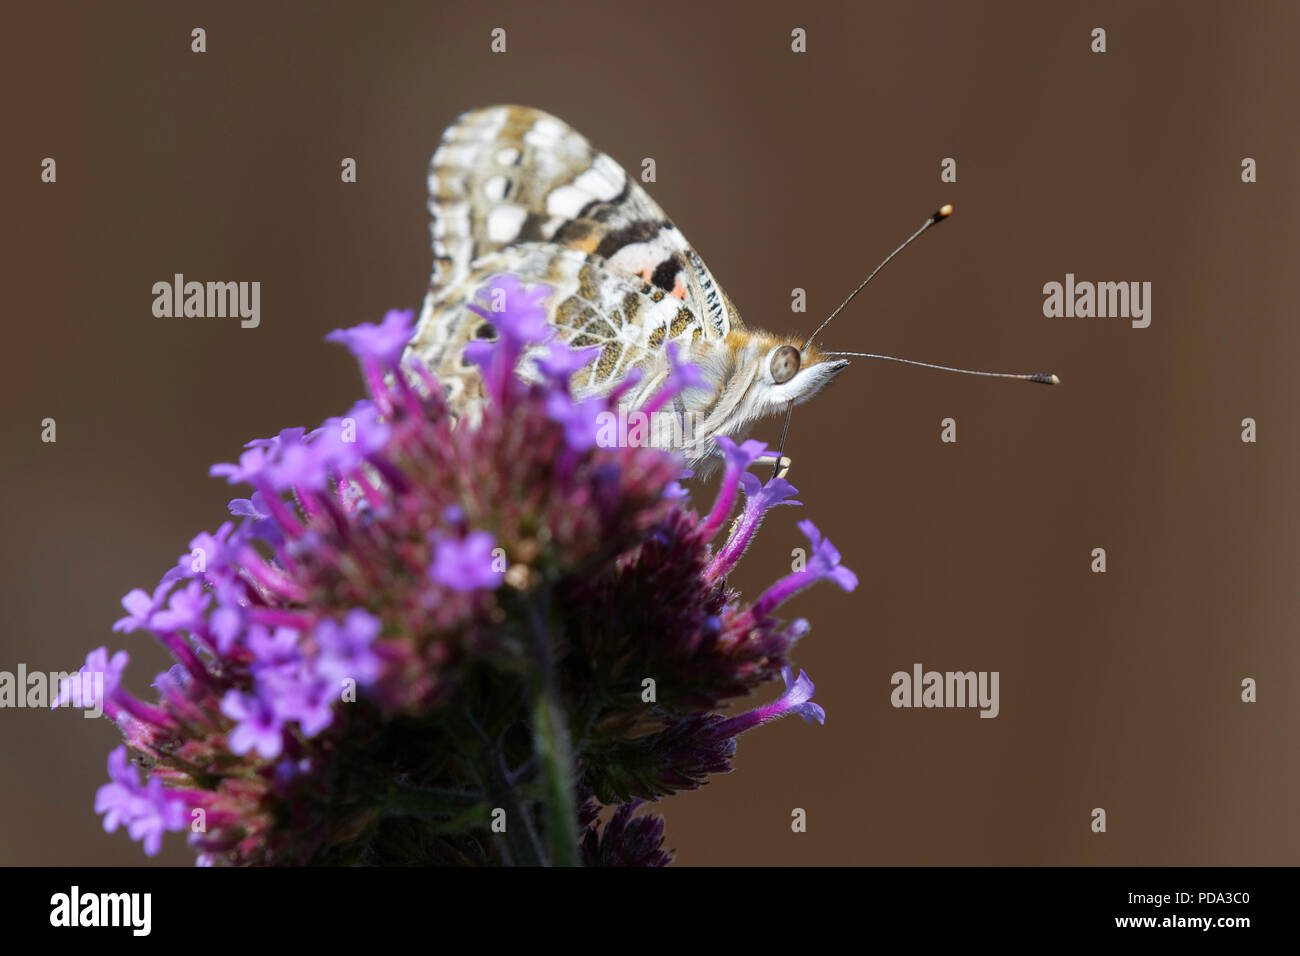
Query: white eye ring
(783,363)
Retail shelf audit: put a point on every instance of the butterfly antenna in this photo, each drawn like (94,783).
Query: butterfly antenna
(939,216)
(943,213)
(1043,378)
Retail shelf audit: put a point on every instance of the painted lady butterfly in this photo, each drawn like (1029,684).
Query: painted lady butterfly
(515,191)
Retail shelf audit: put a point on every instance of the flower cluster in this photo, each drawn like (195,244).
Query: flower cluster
(420,628)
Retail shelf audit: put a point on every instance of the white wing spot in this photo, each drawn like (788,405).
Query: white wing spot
(544,132)
(508,156)
(504,221)
(567,201)
(597,185)
(604,180)
(495,188)
(454,155)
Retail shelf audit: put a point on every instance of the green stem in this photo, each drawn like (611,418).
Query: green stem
(551,740)
(553,748)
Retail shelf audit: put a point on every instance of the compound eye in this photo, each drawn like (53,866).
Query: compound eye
(785,364)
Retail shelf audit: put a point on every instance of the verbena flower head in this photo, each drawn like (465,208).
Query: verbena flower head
(416,626)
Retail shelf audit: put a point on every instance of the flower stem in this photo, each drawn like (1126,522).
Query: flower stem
(554,750)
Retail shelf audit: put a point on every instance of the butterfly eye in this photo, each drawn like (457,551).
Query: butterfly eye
(785,364)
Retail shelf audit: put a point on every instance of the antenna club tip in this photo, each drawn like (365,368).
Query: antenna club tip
(944,212)
(1046,378)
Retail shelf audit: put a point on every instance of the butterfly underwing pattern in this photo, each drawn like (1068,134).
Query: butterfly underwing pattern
(515,191)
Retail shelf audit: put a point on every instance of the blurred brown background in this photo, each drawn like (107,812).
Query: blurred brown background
(1118,690)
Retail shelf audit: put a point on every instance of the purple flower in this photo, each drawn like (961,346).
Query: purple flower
(249,507)
(761,496)
(155,812)
(581,419)
(798,696)
(177,688)
(297,465)
(758,498)
(288,460)
(383,342)
(146,810)
(258,726)
(273,649)
(797,699)
(740,457)
(297,694)
(185,610)
(226,624)
(345,649)
(212,544)
(480,352)
(261,522)
(681,376)
(369,551)
(83,683)
(213,552)
(346,440)
(518,316)
(140,608)
(824,562)
(515,311)
(560,362)
(465,565)
(287,436)
(250,467)
(675,490)
(114,799)
(737,458)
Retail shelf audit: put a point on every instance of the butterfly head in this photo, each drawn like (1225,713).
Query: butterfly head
(785,371)
(752,374)
(794,374)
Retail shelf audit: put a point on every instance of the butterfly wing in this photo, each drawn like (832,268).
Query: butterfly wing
(590,305)
(509,177)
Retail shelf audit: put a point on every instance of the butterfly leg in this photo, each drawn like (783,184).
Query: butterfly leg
(780,464)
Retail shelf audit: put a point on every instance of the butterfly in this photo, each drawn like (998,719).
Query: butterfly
(516,191)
